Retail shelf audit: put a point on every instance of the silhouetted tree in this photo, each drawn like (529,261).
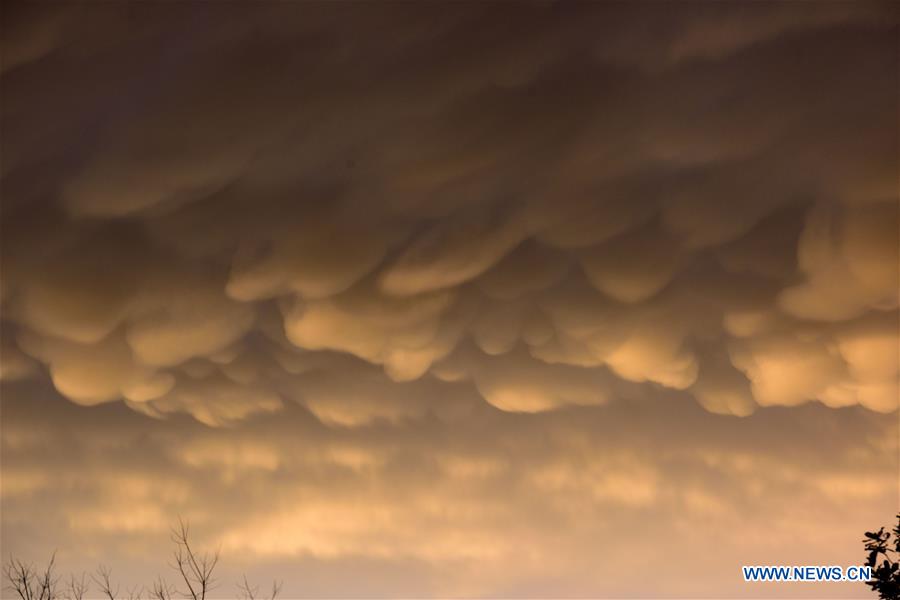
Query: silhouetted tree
(246,592)
(161,590)
(76,588)
(25,580)
(194,568)
(103,579)
(885,576)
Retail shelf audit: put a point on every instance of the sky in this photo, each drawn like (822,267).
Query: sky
(451,299)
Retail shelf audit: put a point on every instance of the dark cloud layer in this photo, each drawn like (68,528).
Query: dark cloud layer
(512,177)
(438,217)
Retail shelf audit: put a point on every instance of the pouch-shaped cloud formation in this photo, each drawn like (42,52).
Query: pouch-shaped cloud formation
(521,199)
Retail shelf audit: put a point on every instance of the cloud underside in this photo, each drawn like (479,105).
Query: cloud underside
(485,504)
(550,205)
(450,299)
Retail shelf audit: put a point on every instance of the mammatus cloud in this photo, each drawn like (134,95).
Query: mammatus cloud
(466,299)
(426,205)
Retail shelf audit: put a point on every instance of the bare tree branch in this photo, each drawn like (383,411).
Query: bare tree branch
(26,582)
(102,579)
(246,592)
(47,581)
(76,588)
(135,593)
(161,590)
(196,570)
(20,578)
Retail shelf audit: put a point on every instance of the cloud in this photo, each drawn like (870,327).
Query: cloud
(469,300)
(559,493)
(193,319)
(83,290)
(452,252)
(633,268)
(855,364)
(318,258)
(850,263)
(548,215)
(403,334)
(515,382)
(213,400)
(14,364)
(87,373)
